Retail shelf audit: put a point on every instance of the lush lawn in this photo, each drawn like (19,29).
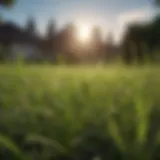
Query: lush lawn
(79,113)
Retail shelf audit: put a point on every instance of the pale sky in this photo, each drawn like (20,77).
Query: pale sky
(111,15)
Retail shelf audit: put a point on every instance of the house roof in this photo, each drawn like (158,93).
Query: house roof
(11,33)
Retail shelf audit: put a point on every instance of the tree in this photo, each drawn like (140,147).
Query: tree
(50,40)
(70,42)
(110,39)
(109,44)
(96,36)
(6,2)
(154,35)
(4,48)
(51,30)
(96,43)
(31,26)
(139,37)
(135,38)
(158,2)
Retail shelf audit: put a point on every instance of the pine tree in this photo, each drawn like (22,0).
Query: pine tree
(31,26)
(110,39)
(96,36)
(96,44)
(51,30)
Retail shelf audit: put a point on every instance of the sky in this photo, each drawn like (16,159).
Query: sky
(111,15)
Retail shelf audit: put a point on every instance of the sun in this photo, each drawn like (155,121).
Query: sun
(83,33)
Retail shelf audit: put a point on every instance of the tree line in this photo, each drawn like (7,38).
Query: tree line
(63,43)
(141,41)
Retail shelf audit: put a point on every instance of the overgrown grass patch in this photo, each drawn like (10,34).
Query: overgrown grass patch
(75,113)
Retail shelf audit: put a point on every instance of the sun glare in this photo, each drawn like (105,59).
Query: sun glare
(83,33)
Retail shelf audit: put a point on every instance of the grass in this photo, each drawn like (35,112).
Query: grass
(74,113)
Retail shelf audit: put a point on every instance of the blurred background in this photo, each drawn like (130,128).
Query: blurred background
(80,31)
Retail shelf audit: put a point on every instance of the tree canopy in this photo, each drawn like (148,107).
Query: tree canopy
(51,29)
(6,2)
(31,26)
(158,2)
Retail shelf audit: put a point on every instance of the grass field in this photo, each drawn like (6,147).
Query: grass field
(79,113)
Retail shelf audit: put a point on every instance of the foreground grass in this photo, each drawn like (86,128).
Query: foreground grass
(79,113)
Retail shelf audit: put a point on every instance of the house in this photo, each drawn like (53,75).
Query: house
(19,42)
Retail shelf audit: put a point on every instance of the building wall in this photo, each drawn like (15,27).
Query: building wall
(24,51)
